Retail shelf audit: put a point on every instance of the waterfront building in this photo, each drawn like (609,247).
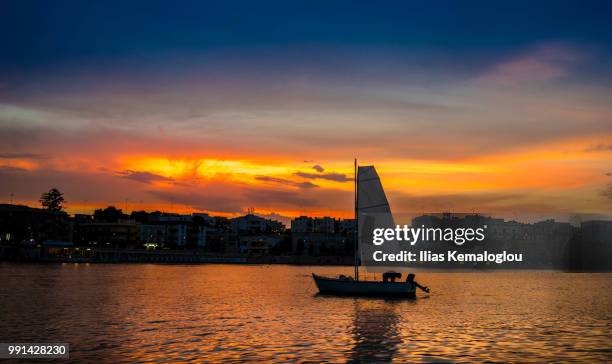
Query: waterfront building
(302,224)
(324,225)
(173,231)
(258,244)
(205,218)
(19,223)
(253,224)
(305,224)
(121,234)
(321,235)
(596,247)
(345,227)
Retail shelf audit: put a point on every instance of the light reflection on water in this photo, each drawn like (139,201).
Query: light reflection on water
(173,313)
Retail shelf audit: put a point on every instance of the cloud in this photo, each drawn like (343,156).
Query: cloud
(544,62)
(599,148)
(205,202)
(20,155)
(336,177)
(187,115)
(606,193)
(218,196)
(11,169)
(318,168)
(275,216)
(102,188)
(269,197)
(143,177)
(449,202)
(287,182)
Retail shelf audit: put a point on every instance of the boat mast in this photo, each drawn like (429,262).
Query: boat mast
(356,224)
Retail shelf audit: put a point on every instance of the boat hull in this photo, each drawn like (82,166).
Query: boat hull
(337,286)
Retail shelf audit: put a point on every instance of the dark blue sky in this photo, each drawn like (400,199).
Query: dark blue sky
(41,33)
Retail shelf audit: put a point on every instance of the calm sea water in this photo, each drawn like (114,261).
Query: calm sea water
(212,313)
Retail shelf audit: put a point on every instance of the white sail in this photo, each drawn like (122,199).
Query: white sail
(371,198)
(373,211)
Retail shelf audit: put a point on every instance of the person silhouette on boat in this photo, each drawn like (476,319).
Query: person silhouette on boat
(391,276)
(414,284)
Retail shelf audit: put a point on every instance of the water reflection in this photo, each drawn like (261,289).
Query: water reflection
(220,313)
(375,331)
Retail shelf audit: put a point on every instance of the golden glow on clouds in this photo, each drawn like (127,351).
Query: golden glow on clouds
(23,164)
(208,168)
(558,167)
(236,170)
(572,170)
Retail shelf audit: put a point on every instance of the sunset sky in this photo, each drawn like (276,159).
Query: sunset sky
(194,106)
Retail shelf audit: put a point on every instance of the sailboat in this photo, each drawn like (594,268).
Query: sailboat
(370,203)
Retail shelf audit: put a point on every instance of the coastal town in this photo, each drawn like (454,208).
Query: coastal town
(109,234)
(112,235)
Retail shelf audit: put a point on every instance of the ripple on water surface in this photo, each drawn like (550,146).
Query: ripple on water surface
(124,313)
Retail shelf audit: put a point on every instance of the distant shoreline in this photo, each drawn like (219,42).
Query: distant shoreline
(107,255)
(97,255)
